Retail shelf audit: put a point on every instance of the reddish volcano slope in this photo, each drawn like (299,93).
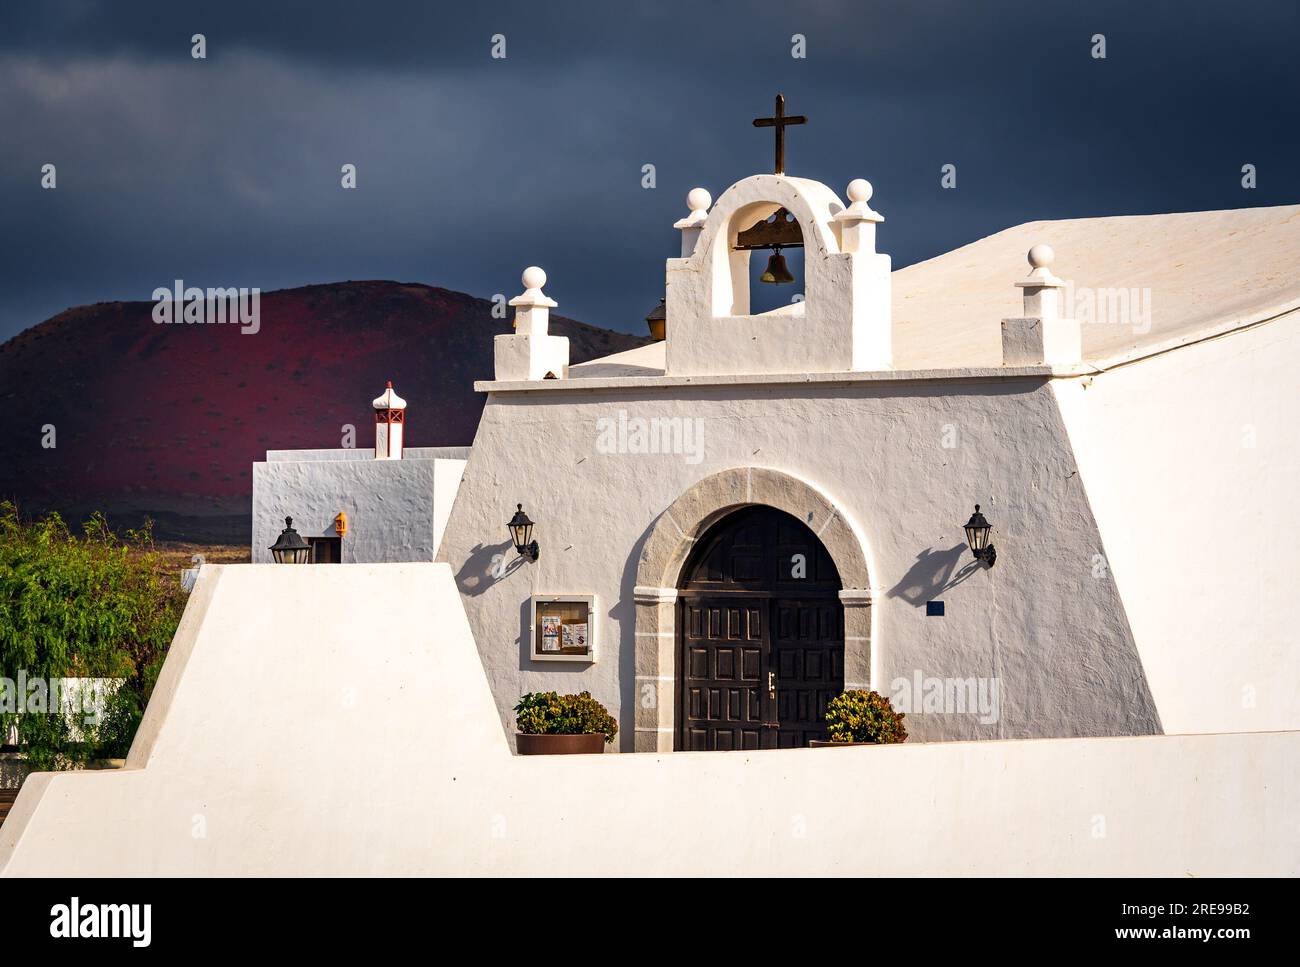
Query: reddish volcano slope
(165,420)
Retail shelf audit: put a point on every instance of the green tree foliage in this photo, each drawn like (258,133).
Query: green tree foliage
(864,716)
(87,606)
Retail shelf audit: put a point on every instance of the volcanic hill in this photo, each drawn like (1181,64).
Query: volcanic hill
(164,421)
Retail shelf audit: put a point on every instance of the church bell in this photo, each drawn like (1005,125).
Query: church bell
(776,272)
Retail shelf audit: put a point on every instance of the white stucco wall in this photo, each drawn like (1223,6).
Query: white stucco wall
(279,674)
(1054,639)
(396,509)
(1191,460)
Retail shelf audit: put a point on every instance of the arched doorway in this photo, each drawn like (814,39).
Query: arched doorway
(760,635)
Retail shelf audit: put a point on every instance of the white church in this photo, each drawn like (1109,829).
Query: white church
(718,532)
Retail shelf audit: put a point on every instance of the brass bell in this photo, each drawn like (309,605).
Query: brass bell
(776,272)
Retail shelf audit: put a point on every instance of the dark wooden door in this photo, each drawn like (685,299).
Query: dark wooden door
(724,642)
(760,635)
(808,654)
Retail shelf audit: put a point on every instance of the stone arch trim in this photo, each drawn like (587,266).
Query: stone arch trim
(674,533)
(671,539)
(813,206)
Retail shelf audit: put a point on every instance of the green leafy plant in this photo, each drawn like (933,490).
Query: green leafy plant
(80,606)
(864,716)
(548,713)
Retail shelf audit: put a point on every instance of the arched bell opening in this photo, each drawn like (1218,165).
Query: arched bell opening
(765,262)
(776,276)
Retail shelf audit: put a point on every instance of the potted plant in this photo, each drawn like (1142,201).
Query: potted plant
(552,724)
(860,717)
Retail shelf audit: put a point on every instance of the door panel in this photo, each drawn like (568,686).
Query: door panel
(808,652)
(724,651)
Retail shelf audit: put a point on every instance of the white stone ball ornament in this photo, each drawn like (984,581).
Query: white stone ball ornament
(699,200)
(534,277)
(1041,256)
(860,190)
(859,210)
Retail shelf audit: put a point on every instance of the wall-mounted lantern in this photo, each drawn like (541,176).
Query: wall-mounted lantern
(341,524)
(521,531)
(289,547)
(977,536)
(658,321)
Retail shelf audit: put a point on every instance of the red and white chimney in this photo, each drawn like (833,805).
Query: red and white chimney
(390,418)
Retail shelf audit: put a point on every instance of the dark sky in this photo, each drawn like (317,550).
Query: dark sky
(225,171)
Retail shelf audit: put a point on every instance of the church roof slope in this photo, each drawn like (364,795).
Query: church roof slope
(647,360)
(1198,274)
(1204,271)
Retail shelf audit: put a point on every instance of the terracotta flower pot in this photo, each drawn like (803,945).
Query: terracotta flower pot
(588,743)
(826,744)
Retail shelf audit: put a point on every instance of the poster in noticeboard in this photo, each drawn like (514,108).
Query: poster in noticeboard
(552,633)
(564,628)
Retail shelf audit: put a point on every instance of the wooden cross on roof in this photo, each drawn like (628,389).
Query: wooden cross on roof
(779,122)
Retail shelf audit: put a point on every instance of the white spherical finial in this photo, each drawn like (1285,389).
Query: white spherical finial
(698,200)
(1041,256)
(534,277)
(860,190)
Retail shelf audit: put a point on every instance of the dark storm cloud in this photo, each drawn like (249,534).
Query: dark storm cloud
(226,171)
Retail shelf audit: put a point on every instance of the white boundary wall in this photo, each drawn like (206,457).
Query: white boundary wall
(269,748)
(397,509)
(1191,461)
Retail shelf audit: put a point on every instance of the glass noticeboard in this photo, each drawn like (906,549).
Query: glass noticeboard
(564,627)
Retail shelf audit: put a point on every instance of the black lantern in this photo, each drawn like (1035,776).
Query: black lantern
(289,547)
(521,531)
(977,536)
(776,273)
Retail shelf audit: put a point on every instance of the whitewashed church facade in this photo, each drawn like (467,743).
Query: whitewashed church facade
(878,423)
(763,509)
(802,410)
(876,415)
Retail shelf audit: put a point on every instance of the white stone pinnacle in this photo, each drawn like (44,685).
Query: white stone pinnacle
(532,352)
(859,192)
(534,278)
(857,223)
(698,201)
(1041,256)
(1041,336)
